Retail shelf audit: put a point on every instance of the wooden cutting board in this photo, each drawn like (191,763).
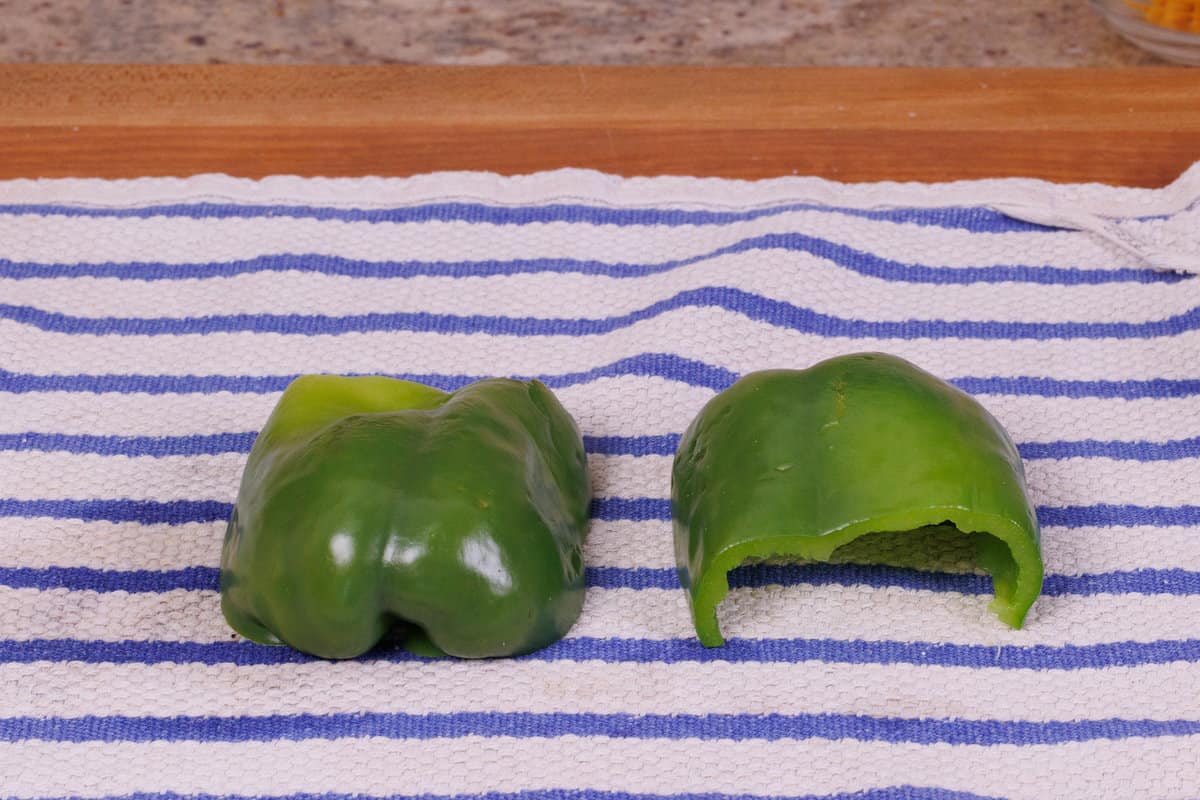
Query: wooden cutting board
(1134,126)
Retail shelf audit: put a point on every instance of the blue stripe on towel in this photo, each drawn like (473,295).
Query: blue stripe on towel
(652,445)
(859,261)
(176,512)
(1177,582)
(971,218)
(737,727)
(776,313)
(667,651)
(658,365)
(885,793)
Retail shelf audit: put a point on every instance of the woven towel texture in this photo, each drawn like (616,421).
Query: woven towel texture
(147,328)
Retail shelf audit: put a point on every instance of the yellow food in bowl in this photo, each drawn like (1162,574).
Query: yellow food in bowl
(1180,15)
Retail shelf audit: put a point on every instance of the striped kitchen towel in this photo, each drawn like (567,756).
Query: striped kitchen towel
(147,328)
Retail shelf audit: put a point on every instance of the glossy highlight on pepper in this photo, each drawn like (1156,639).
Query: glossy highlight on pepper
(370,505)
(799,464)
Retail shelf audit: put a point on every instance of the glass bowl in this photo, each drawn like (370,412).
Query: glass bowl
(1180,46)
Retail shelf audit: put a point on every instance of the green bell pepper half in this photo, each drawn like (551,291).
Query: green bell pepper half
(794,465)
(369,503)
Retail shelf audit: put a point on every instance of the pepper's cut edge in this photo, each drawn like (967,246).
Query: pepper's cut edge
(1011,603)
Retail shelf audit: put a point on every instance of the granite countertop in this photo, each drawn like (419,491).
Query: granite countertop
(1001,33)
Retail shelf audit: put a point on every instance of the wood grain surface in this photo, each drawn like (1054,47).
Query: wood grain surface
(1135,127)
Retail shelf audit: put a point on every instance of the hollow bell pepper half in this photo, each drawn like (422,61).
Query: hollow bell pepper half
(796,464)
(370,504)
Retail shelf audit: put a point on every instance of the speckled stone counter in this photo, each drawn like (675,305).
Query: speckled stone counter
(1001,33)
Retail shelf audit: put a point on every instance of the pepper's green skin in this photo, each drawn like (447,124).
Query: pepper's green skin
(796,464)
(369,502)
